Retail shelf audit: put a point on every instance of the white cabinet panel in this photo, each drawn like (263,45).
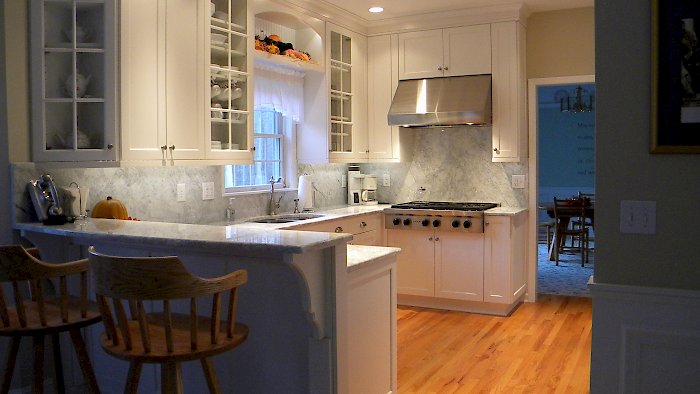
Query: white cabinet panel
(505,258)
(415,266)
(467,50)
(420,54)
(459,265)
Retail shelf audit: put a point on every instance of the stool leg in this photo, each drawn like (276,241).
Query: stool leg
(10,365)
(58,363)
(210,374)
(132,380)
(171,378)
(84,360)
(38,383)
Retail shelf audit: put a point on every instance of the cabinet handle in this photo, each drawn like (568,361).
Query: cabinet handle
(163,147)
(363,224)
(439,68)
(430,239)
(252,149)
(338,229)
(110,146)
(446,68)
(171,147)
(437,239)
(495,149)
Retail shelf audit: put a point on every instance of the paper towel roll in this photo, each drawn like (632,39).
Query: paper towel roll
(305,192)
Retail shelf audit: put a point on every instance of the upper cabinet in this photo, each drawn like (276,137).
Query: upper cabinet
(73,80)
(509,129)
(445,52)
(173,54)
(347,71)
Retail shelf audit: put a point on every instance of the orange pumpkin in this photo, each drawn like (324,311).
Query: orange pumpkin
(274,37)
(110,209)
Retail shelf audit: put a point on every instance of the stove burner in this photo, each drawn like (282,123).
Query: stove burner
(446,205)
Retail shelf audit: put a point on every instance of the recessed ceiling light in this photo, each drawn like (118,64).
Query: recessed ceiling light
(376,9)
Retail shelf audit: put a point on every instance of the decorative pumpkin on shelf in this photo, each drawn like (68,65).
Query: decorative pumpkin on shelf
(273,44)
(110,209)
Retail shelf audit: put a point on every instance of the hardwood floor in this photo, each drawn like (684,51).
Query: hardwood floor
(543,347)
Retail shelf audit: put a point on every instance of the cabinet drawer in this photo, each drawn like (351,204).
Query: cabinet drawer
(351,225)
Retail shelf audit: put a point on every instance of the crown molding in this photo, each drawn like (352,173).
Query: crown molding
(328,12)
(453,18)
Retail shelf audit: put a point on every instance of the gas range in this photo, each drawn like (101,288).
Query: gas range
(429,215)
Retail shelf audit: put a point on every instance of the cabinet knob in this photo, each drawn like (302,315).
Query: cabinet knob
(171,147)
(495,149)
(439,68)
(446,68)
(252,149)
(163,147)
(363,224)
(430,239)
(110,146)
(338,229)
(437,239)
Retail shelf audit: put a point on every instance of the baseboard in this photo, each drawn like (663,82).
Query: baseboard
(645,340)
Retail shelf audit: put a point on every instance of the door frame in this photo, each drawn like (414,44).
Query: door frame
(532,85)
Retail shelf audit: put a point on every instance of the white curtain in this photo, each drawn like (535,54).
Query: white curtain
(281,89)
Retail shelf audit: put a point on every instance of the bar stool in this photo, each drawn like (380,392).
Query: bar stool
(161,336)
(40,315)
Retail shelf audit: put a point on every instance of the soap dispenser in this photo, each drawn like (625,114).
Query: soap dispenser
(230,210)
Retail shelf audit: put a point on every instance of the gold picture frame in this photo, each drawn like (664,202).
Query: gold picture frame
(675,95)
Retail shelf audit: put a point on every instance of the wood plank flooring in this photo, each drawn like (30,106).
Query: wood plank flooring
(543,347)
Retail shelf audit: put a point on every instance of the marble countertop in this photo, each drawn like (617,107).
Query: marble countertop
(212,237)
(360,255)
(325,214)
(505,211)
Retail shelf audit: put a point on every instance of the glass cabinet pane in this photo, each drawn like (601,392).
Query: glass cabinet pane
(58,126)
(58,25)
(335,46)
(58,69)
(90,125)
(345,45)
(89,25)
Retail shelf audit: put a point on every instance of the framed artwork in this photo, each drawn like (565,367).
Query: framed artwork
(675,94)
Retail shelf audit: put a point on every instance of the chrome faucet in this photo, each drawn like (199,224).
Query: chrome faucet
(274,206)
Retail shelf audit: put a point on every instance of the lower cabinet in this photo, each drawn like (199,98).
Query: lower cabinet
(505,276)
(439,263)
(366,229)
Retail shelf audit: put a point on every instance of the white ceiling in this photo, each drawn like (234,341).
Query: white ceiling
(401,8)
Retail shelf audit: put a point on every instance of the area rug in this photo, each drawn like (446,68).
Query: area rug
(569,278)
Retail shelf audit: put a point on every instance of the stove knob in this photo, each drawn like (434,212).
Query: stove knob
(467,223)
(436,223)
(455,223)
(425,222)
(407,222)
(396,221)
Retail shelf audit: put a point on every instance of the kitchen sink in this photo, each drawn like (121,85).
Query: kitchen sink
(285,218)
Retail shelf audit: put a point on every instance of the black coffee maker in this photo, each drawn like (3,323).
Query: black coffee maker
(46,201)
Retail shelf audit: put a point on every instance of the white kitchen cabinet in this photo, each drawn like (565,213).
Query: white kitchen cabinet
(439,264)
(347,71)
(386,143)
(509,129)
(505,258)
(166,82)
(366,229)
(449,52)
(73,80)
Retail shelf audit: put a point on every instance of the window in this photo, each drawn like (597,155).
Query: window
(269,130)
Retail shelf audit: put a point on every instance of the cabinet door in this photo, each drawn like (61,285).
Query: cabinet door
(184,60)
(509,130)
(497,260)
(142,74)
(459,266)
(415,266)
(73,78)
(381,85)
(467,50)
(420,54)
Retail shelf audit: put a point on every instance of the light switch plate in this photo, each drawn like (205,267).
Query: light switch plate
(638,217)
(207,190)
(518,181)
(181,192)
(386,179)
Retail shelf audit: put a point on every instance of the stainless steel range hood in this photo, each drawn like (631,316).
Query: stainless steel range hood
(446,101)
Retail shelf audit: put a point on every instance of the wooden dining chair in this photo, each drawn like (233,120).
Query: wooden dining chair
(589,199)
(37,313)
(564,212)
(160,335)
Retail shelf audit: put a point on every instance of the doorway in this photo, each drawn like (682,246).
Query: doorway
(561,164)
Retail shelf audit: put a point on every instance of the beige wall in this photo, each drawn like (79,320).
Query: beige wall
(561,43)
(17,79)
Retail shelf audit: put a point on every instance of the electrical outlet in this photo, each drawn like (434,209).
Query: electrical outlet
(181,190)
(638,217)
(343,180)
(386,179)
(518,181)
(207,190)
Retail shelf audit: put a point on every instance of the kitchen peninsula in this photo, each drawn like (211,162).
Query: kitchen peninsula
(296,302)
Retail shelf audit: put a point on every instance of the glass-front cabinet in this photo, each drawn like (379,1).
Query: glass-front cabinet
(347,53)
(229,84)
(73,80)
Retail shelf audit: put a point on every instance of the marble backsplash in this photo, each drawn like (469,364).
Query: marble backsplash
(149,193)
(453,164)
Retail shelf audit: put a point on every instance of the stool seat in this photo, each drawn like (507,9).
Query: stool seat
(54,322)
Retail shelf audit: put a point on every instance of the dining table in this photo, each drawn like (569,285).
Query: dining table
(563,224)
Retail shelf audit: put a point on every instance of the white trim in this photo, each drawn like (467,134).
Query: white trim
(532,86)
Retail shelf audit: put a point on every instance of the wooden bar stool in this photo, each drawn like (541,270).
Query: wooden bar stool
(39,315)
(161,336)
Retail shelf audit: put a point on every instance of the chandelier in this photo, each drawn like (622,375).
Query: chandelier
(581,102)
